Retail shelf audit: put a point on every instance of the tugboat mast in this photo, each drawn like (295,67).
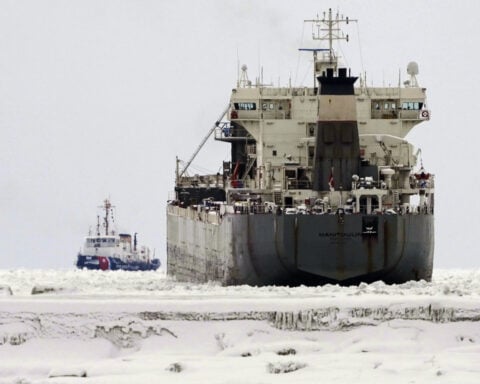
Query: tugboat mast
(98,225)
(107,206)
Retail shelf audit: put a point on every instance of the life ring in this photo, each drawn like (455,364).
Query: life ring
(425,114)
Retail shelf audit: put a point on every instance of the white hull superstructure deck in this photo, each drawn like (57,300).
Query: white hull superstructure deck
(321,185)
(110,250)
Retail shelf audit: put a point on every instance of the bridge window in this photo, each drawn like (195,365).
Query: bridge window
(384,109)
(268,106)
(412,105)
(245,106)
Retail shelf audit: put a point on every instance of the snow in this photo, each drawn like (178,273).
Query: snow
(142,327)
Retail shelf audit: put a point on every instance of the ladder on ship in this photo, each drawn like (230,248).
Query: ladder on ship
(396,197)
(202,143)
(388,153)
(277,197)
(250,163)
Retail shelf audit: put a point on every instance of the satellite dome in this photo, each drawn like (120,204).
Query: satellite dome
(412,68)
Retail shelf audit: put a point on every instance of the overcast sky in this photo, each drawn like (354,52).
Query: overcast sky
(98,97)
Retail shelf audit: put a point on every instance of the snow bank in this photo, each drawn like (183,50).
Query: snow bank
(248,352)
(42,289)
(122,327)
(148,283)
(5,290)
(67,372)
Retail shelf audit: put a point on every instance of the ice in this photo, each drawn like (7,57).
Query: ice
(5,290)
(68,372)
(142,327)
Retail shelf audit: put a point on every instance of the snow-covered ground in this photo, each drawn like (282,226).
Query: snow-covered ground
(124,327)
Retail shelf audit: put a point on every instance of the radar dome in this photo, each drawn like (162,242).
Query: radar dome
(412,68)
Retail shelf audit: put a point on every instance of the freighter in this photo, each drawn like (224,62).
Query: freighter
(106,249)
(322,186)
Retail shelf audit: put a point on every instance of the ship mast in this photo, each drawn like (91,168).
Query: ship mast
(327,29)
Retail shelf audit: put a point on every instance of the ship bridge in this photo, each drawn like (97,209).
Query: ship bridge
(276,127)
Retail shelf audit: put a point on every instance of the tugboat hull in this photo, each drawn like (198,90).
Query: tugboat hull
(114,263)
(267,249)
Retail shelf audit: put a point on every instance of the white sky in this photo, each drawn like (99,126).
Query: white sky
(98,97)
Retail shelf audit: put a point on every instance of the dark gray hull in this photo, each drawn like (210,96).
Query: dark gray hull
(268,249)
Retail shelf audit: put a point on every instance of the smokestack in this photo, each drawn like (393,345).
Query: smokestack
(337,151)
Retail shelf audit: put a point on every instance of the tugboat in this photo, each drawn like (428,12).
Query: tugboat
(321,187)
(114,251)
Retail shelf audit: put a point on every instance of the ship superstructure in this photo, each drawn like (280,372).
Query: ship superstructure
(321,186)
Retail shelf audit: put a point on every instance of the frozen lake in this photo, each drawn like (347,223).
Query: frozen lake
(123,327)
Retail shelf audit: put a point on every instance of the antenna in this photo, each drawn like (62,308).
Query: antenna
(238,69)
(108,207)
(328,29)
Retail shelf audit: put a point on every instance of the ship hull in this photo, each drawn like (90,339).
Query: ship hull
(269,249)
(106,263)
